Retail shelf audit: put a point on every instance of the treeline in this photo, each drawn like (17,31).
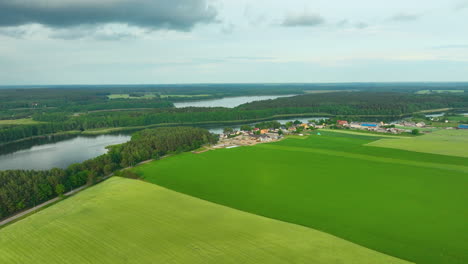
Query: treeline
(363,103)
(20,189)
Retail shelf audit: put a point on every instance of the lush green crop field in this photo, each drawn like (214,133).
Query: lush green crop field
(406,204)
(445,142)
(130,221)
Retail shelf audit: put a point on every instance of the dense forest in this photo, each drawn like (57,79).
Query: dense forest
(363,103)
(20,189)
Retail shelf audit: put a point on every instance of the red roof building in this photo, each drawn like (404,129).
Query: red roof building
(342,122)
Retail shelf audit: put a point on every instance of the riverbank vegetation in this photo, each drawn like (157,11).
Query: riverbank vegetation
(21,189)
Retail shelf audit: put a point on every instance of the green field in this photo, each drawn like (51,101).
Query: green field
(439,91)
(130,221)
(406,204)
(152,95)
(127,96)
(23,121)
(444,142)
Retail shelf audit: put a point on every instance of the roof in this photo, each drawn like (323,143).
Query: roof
(369,125)
(463,126)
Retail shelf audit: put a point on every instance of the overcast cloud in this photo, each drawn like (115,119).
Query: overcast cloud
(303,20)
(405,17)
(154,14)
(216,41)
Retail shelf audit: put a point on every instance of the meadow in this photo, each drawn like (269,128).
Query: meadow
(127,96)
(444,142)
(23,121)
(439,91)
(153,95)
(130,221)
(405,204)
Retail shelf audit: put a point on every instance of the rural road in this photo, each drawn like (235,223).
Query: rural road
(13,218)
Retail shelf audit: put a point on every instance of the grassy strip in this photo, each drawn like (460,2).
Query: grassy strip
(23,121)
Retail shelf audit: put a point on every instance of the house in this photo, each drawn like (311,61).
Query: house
(342,122)
(421,124)
(264,131)
(355,125)
(463,126)
(305,126)
(292,128)
(409,124)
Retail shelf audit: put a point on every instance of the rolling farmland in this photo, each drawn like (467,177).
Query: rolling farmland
(444,142)
(406,204)
(129,221)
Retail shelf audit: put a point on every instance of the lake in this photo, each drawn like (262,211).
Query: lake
(56,153)
(228,102)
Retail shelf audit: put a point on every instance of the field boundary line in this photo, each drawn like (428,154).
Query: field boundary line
(367,157)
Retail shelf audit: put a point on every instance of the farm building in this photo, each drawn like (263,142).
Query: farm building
(421,124)
(342,122)
(369,125)
(463,126)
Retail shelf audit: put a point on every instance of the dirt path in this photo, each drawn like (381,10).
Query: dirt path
(19,215)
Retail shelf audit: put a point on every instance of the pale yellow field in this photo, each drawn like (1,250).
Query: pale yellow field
(445,142)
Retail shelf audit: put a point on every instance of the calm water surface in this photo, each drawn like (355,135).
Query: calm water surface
(229,102)
(59,154)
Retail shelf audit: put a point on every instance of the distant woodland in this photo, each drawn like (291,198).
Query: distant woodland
(81,114)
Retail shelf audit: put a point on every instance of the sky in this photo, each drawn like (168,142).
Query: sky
(232,41)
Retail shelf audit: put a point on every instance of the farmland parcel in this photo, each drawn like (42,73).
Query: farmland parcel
(129,221)
(406,204)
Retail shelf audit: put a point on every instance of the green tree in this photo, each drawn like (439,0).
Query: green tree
(246,128)
(59,189)
(415,132)
(228,130)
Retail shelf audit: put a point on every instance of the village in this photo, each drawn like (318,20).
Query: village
(272,131)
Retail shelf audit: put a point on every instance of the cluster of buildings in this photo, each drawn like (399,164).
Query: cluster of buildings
(380,127)
(270,134)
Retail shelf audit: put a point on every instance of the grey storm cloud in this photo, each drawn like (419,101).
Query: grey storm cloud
(152,14)
(303,20)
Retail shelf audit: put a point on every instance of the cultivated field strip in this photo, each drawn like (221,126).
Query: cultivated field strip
(129,221)
(395,161)
(406,204)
